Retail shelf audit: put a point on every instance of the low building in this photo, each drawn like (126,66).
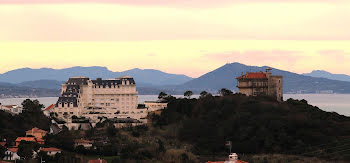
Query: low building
(97,161)
(261,83)
(155,105)
(50,151)
(47,110)
(13,109)
(233,158)
(29,139)
(3,144)
(36,132)
(11,154)
(85,143)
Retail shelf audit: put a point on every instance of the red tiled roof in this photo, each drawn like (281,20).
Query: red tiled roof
(36,130)
(14,150)
(40,140)
(82,141)
(253,75)
(50,107)
(98,161)
(50,149)
(26,139)
(238,161)
(3,144)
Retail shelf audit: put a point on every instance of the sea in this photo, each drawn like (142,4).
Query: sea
(339,103)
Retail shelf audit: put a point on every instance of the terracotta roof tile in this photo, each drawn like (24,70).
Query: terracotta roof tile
(253,75)
(14,150)
(82,141)
(3,144)
(50,107)
(98,161)
(51,149)
(26,139)
(36,130)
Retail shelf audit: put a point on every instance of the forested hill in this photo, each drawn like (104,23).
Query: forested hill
(256,125)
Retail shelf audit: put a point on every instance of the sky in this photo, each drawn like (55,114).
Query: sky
(181,37)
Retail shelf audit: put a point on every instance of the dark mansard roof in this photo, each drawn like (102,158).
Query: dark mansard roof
(78,80)
(114,82)
(67,100)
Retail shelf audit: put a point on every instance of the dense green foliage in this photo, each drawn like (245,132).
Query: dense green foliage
(13,126)
(255,125)
(26,149)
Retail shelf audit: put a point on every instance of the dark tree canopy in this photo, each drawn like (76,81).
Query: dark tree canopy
(162,95)
(188,94)
(225,92)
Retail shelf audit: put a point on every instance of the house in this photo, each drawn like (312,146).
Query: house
(32,139)
(36,132)
(13,109)
(50,151)
(48,110)
(261,84)
(83,142)
(3,144)
(232,158)
(11,154)
(97,161)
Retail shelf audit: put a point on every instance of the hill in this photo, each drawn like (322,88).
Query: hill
(145,77)
(256,125)
(224,77)
(328,75)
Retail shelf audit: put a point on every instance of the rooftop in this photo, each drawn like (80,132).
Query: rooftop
(97,161)
(37,130)
(253,75)
(50,149)
(50,107)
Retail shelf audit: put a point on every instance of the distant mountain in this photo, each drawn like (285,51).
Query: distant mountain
(146,77)
(328,75)
(12,90)
(224,77)
(48,84)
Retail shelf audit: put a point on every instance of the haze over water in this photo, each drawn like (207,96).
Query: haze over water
(328,102)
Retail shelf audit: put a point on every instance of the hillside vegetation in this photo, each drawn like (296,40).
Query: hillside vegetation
(257,125)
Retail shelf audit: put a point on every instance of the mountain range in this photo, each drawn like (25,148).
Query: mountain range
(151,81)
(224,77)
(328,75)
(145,77)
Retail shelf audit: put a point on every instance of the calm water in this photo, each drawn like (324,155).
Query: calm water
(339,103)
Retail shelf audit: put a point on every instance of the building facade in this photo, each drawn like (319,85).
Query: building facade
(96,99)
(261,83)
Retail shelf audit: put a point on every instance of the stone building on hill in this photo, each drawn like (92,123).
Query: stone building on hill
(261,83)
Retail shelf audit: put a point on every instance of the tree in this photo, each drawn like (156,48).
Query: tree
(225,92)
(188,94)
(26,149)
(162,95)
(32,107)
(2,151)
(203,94)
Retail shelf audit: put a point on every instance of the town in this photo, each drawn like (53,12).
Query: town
(84,103)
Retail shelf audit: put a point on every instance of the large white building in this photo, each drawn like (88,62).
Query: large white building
(96,99)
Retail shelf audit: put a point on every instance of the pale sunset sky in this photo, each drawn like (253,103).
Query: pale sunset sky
(188,37)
